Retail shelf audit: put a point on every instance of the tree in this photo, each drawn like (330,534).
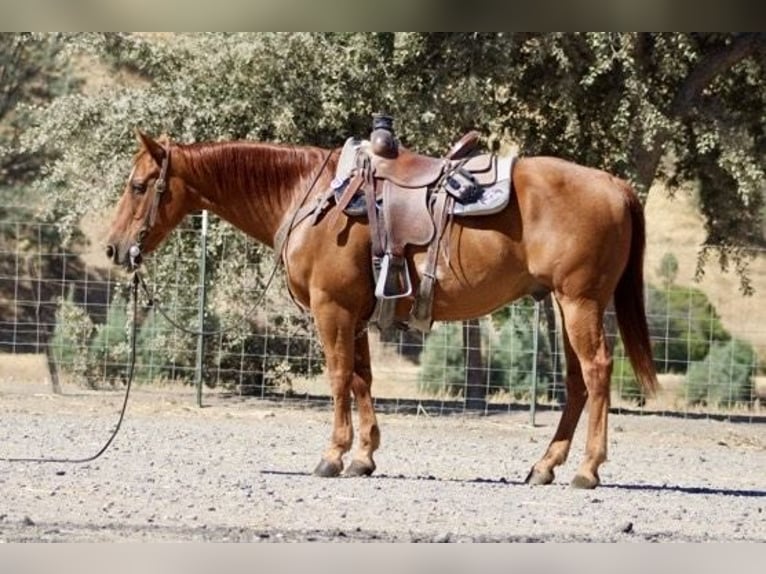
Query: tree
(30,74)
(672,107)
(33,70)
(668,270)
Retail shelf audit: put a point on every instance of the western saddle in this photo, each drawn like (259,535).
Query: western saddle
(407,199)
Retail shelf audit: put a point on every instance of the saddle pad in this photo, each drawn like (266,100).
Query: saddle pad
(346,163)
(495,197)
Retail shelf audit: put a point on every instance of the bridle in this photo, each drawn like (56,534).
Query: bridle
(299,214)
(160,185)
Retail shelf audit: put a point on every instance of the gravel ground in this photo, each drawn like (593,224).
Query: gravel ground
(239,470)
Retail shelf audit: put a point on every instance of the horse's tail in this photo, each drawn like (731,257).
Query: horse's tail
(629,300)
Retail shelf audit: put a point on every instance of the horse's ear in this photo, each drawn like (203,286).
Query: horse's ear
(155,149)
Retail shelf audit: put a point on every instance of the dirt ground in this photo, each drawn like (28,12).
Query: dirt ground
(240,470)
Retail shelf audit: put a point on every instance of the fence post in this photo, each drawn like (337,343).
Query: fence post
(475,371)
(201,311)
(535,337)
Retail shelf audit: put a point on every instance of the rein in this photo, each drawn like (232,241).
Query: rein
(131,370)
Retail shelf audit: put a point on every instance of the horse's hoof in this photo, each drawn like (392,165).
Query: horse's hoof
(585,482)
(536,477)
(327,469)
(360,468)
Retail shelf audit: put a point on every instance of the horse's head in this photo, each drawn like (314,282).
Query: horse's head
(150,206)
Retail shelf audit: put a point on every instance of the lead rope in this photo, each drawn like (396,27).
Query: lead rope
(138,280)
(131,369)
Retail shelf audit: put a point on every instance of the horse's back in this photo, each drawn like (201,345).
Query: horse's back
(567,186)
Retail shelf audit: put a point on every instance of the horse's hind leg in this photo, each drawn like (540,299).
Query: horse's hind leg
(558,449)
(369,432)
(583,324)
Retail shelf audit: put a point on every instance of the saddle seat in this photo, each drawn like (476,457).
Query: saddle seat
(408,169)
(413,170)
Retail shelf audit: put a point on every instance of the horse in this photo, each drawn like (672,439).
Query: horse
(570,230)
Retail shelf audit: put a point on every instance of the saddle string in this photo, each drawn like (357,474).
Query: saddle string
(283,233)
(128,384)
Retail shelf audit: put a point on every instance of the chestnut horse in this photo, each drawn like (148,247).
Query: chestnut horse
(571,230)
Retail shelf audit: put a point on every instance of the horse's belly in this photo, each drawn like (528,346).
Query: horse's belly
(475,284)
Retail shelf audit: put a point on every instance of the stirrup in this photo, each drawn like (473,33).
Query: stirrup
(393,285)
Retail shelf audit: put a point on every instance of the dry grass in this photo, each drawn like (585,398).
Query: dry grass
(675,226)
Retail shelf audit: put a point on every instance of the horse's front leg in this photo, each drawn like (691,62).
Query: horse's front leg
(369,432)
(336,326)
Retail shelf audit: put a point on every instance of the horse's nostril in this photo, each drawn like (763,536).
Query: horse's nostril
(110,251)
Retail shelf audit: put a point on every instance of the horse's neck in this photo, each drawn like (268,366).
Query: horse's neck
(252,186)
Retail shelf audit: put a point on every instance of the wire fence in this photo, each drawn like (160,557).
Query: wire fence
(70,311)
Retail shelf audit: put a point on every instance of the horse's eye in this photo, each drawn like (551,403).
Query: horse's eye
(138,186)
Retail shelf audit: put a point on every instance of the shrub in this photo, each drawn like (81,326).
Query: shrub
(162,351)
(508,353)
(724,377)
(442,363)
(682,326)
(513,360)
(109,349)
(624,378)
(71,338)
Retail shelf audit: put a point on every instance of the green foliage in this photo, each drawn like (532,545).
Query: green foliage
(442,362)
(613,100)
(683,327)
(162,351)
(724,377)
(507,349)
(624,379)
(71,339)
(668,270)
(618,101)
(109,348)
(513,360)
(31,74)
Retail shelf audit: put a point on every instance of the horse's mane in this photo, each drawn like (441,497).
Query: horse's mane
(239,164)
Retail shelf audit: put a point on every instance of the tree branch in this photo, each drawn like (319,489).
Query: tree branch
(707,68)
(711,65)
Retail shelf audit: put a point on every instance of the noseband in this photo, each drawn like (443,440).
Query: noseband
(160,185)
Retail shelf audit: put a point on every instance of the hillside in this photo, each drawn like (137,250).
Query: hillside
(675,226)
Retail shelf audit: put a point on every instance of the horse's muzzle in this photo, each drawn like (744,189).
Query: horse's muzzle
(131,259)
